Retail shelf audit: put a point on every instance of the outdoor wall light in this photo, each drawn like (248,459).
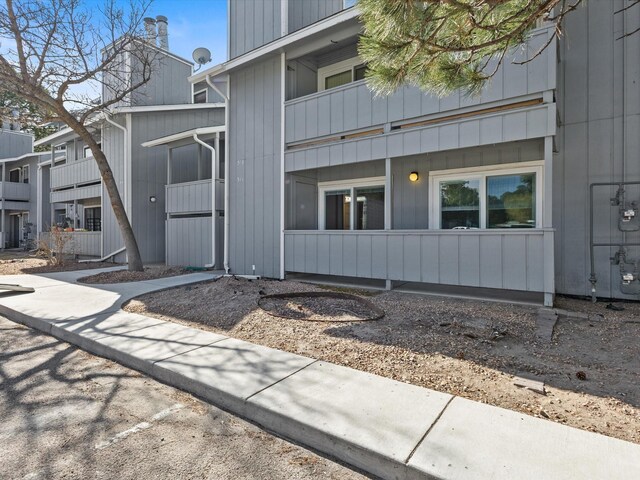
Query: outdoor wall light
(153,199)
(413,176)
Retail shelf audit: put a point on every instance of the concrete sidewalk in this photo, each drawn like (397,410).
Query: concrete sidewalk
(390,429)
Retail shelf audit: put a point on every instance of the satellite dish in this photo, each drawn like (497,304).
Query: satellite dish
(201,55)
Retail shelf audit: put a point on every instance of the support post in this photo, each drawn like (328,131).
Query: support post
(388,224)
(547,224)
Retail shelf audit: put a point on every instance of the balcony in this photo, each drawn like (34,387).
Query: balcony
(15,191)
(80,193)
(193,197)
(74,173)
(501,259)
(80,243)
(353,108)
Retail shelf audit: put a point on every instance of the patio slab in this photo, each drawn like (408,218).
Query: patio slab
(474,441)
(230,371)
(368,421)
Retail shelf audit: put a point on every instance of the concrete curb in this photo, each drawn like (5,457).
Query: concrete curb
(389,429)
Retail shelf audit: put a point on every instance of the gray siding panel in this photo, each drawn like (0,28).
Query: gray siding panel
(254,182)
(252,24)
(599,108)
(447,257)
(74,173)
(305,12)
(189,241)
(13,144)
(486,131)
(149,172)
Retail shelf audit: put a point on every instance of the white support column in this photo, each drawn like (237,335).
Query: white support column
(547,224)
(283,75)
(200,175)
(40,202)
(2,221)
(166,202)
(75,214)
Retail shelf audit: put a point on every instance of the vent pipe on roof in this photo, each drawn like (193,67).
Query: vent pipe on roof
(163,33)
(150,28)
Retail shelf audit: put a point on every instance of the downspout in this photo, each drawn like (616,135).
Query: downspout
(213,198)
(125,152)
(227,194)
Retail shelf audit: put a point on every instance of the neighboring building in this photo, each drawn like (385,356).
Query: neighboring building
(18,187)
(163,106)
(488,192)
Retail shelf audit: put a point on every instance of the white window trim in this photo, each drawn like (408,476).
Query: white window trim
(481,173)
(196,92)
(19,170)
(324,187)
(25,168)
(335,68)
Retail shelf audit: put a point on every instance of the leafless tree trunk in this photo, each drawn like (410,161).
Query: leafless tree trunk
(56,49)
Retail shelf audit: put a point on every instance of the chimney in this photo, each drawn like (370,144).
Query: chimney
(163,34)
(150,28)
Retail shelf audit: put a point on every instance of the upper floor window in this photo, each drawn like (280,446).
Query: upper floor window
(341,73)
(25,174)
(14,175)
(200,96)
(489,197)
(86,151)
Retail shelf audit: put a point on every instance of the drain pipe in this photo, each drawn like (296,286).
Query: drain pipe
(125,135)
(213,198)
(227,194)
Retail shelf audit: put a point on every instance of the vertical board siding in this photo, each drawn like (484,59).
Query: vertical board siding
(14,144)
(149,171)
(599,111)
(354,106)
(74,173)
(15,191)
(252,24)
(497,128)
(254,183)
(189,241)
(192,197)
(80,243)
(92,191)
(305,12)
(451,258)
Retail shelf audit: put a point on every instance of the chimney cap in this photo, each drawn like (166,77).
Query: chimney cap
(162,18)
(149,20)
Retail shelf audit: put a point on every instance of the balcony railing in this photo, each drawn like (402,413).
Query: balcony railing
(74,173)
(512,260)
(193,197)
(79,243)
(353,107)
(15,191)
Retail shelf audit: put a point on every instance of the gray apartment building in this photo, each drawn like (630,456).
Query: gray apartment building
(166,189)
(480,194)
(18,187)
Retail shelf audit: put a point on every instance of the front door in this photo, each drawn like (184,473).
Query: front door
(14,231)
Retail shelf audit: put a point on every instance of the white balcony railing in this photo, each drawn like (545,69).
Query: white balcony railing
(15,191)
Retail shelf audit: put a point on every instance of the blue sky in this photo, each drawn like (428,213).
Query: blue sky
(195,23)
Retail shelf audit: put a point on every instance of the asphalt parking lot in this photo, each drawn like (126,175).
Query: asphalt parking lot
(68,414)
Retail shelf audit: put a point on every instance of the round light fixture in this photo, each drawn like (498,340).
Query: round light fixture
(153,199)
(413,176)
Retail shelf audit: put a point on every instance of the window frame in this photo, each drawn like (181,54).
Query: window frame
(352,185)
(25,178)
(196,92)
(481,174)
(16,169)
(335,68)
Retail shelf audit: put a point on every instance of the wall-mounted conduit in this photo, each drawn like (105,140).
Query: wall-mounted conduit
(628,214)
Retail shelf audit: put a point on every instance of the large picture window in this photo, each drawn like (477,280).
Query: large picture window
(352,204)
(341,73)
(502,196)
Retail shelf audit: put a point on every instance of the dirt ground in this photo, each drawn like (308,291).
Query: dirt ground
(18,263)
(463,347)
(150,272)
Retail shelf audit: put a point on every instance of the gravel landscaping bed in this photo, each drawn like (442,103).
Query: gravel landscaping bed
(14,264)
(122,276)
(463,347)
